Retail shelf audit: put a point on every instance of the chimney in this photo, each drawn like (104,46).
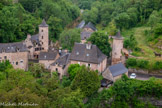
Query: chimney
(88,45)
(29,36)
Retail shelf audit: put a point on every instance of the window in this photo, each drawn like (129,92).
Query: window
(42,43)
(77,53)
(89,65)
(0,57)
(12,62)
(5,57)
(87,55)
(42,37)
(42,30)
(79,63)
(17,63)
(56,70)
(21,61)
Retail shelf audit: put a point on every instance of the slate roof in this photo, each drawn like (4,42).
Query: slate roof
(81,25)
(118,69)
(90,25)
(48,55)
(62,61)
(13,47)
(81,53)
(35,38)
(85,35)
(44,24)
(118,36)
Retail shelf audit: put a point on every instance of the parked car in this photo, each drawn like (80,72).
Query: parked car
(133,76)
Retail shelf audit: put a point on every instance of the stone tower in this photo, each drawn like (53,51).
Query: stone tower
(117,48)
(43,36)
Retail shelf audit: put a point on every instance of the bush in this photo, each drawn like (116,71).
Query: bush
(143,64)
(157,65)
(131,62)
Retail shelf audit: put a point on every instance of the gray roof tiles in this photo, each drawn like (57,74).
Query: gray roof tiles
(118,36)
(13,47)
(43,24)
(81,53)
(48,55)
(62,61)
(118,69)
(81,25)
(90,25)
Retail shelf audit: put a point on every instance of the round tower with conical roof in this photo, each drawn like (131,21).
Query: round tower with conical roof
(117,48)
(44,36)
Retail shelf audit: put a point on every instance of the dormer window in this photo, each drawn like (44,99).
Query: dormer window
(77,53)
(45,56)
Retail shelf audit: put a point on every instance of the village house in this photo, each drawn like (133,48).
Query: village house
(117,48)
(47,58)
(20,52)
(88,55)
(39,42)
(61,65)
(115,72)
(16,53)
(87,30)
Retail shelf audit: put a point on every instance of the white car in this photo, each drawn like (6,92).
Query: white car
(133,76)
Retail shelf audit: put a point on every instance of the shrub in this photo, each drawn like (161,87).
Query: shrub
(157,65)
(143,64)
(131,62)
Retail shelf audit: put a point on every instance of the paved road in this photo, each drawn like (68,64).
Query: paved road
(143,76)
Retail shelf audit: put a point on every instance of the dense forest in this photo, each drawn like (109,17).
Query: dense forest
(19,19)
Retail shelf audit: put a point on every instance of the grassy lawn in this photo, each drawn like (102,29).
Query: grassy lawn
(147,52)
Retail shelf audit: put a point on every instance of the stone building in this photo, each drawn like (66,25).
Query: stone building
(88,55)
(19,53)
(117,48)
(47,58)
(39,42)
(61,65)
(115,72)
(16,53)
(87,30)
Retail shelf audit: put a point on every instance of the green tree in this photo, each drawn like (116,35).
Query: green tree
(102,41)
(55,27)
(31,5)
(69,37)
(86,80)
(73,100)
(72,70)
(112,28)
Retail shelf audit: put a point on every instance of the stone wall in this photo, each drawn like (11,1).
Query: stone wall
(17,59)
(100,67)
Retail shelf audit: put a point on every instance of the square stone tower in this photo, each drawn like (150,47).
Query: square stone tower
(44,36)
(117,48)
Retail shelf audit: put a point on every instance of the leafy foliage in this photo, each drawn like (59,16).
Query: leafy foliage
(101,40)
(69,37)
(85,80)
(143,64)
